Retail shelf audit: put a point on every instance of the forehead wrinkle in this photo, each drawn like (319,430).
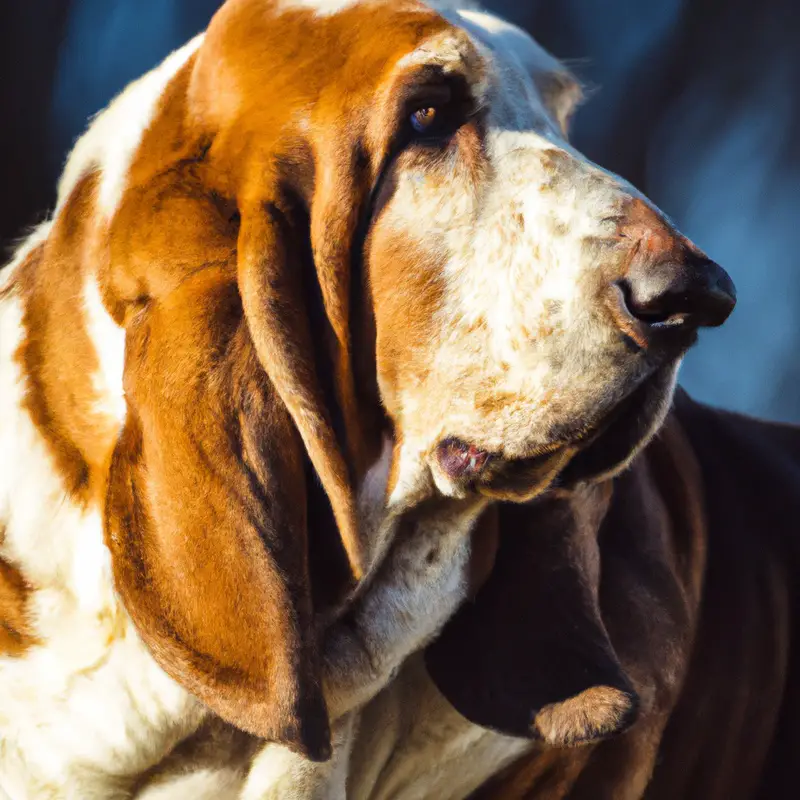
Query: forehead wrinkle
(455,51)
(447,48)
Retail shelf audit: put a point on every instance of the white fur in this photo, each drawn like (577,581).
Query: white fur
(202,784)
(115,133)
(278,774)
(89,704)
(411,743)
(322,8)
(109,341)
(418,586)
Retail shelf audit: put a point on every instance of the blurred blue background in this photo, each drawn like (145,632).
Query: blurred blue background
(697,102)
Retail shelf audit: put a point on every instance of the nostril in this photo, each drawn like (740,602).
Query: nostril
(661,310)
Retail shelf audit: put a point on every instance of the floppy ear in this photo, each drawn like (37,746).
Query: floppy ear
(530,657)
(207,501)
(274,300)
(206,516)
(561,94)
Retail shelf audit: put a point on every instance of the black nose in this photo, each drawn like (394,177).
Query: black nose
(669,288)
(691,291)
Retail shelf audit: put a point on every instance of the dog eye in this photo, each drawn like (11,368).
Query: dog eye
(423,119)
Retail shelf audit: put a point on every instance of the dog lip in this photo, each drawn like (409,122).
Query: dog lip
(467,465)
(632,406)
(460,460)
(607,420)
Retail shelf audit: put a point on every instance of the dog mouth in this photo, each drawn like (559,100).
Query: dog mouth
(596,451)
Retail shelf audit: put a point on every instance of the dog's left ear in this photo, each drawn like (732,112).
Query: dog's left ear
(530,657)
(561,94)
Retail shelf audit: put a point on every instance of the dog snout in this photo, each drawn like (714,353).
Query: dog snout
(669,287)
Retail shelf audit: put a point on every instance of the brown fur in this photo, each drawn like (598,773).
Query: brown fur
(57,356)
(219,589)
(16,635)
(405,317)
(595,711)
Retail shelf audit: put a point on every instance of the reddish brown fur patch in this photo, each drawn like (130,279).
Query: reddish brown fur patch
(652,238)
(169,224)
(407,283)
(270,73)
(218,589)
(57,356)
(647,228)
(406,274)
(495,401)
(16,635)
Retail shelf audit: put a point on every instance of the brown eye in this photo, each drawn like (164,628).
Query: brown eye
(423,118)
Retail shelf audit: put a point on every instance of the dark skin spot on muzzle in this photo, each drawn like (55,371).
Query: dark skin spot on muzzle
(460,460)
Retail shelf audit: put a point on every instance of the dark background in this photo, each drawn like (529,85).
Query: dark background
(697,102)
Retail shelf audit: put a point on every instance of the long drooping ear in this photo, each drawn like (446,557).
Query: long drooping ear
(206,515)
(530,657)
(275,304)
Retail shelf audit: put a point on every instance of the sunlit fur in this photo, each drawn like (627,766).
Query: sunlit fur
(86,711)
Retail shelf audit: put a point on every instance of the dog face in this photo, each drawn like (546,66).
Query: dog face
(522,295)
(519,295)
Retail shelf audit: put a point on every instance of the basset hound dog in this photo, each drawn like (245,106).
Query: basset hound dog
(340,454)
